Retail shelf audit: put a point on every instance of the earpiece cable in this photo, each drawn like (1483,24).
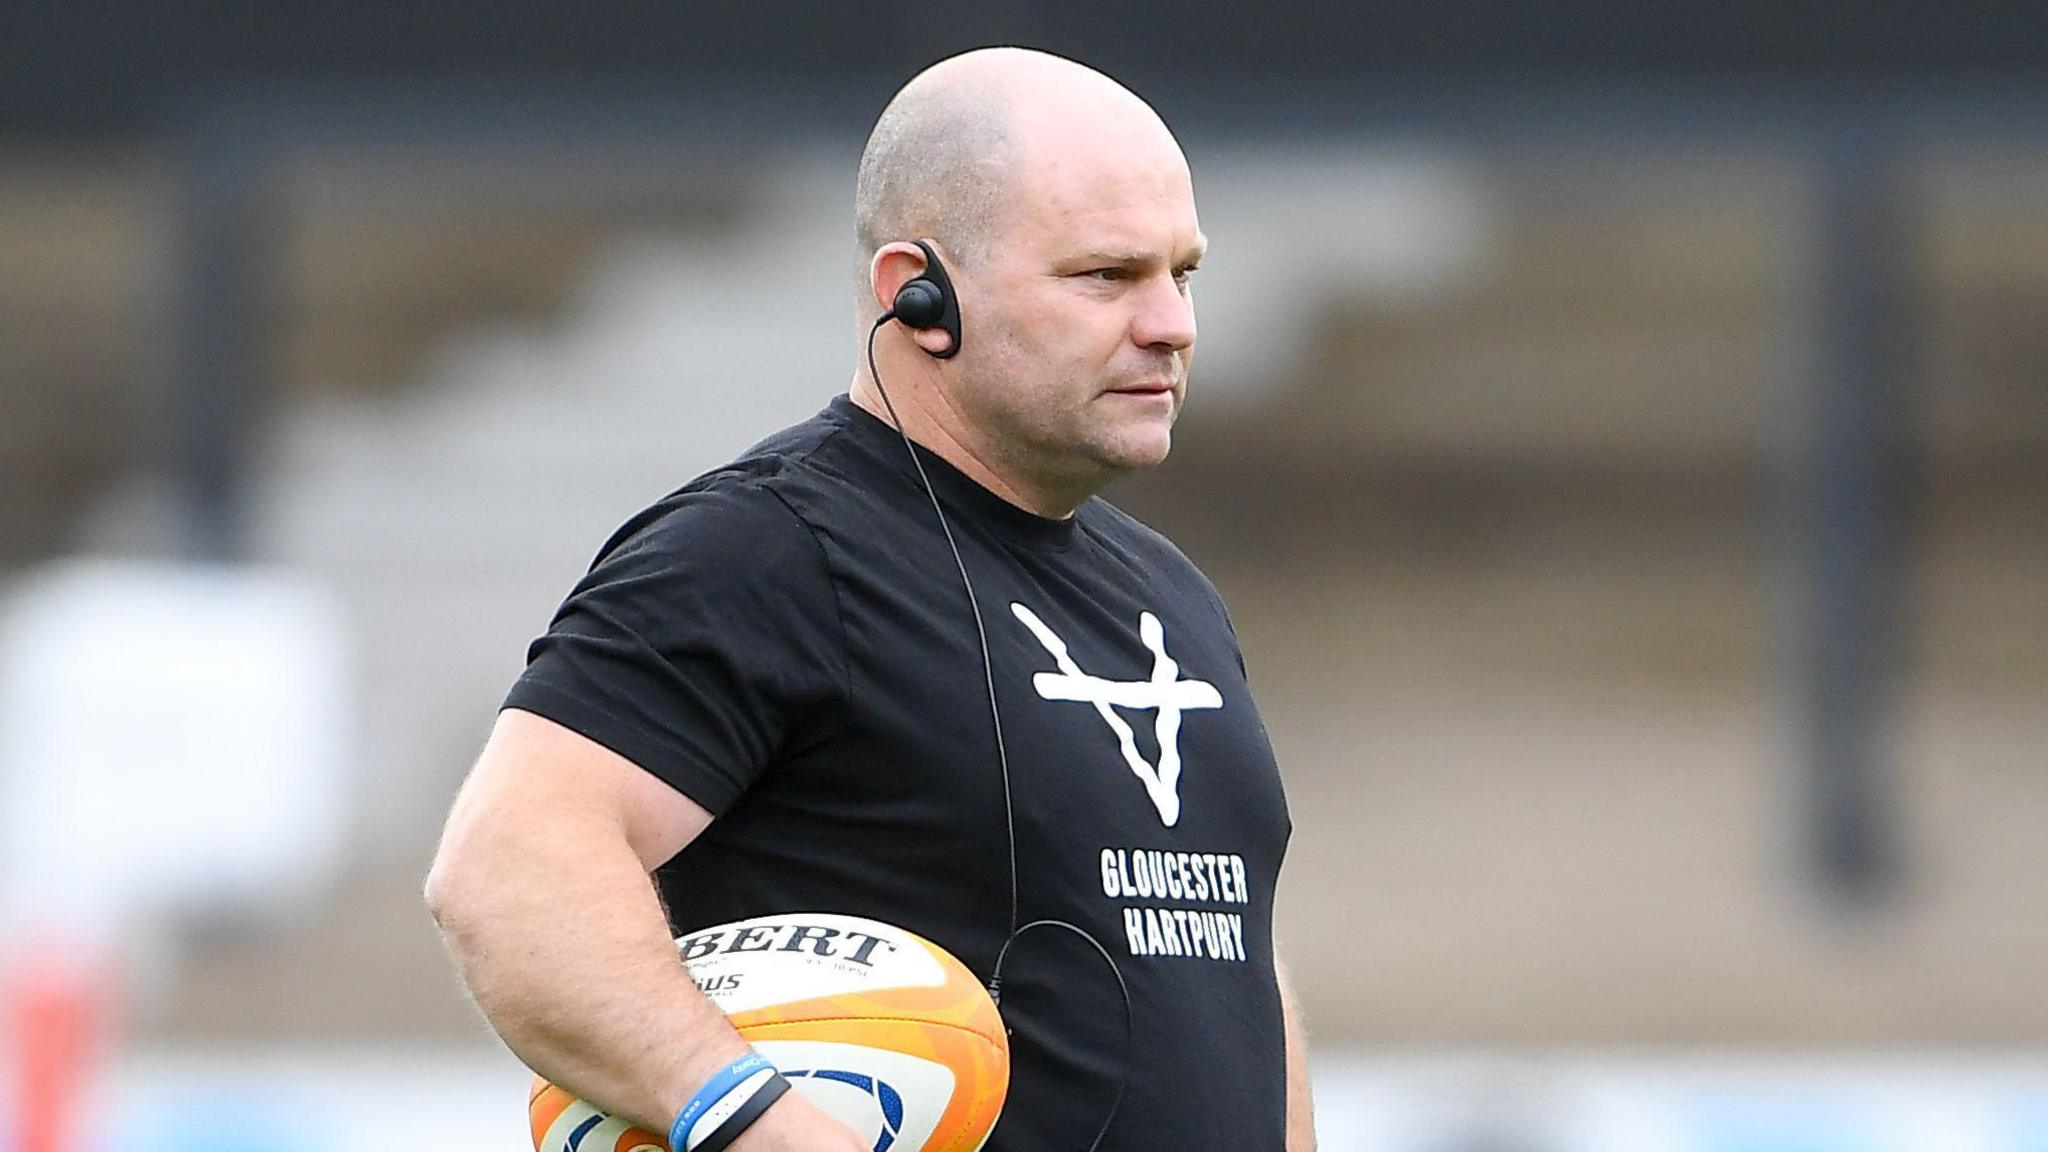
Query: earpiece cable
(988,673)
(995,981)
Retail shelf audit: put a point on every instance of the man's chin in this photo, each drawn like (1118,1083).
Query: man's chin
(1142,448)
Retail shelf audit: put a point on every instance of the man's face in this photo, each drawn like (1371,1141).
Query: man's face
(1079,325)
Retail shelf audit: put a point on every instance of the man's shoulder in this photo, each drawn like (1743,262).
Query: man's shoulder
(803,441)
(1166,567)
(1118,528)
(1145,544)
(742,509)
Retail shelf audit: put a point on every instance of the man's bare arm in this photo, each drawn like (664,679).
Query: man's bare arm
(1301,1119)
(542,891)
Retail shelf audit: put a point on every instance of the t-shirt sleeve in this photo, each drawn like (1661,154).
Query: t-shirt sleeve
(703,644)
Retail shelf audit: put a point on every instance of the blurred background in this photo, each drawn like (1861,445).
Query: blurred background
(1620,431)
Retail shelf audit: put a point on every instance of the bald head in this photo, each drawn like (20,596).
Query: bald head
(1068,214)
(949,151)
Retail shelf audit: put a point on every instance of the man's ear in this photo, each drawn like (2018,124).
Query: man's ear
(894,265)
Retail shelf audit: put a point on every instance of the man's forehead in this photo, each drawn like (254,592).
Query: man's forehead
(1121,228)
(1112,204)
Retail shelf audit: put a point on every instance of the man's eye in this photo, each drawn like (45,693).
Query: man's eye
(1110,274)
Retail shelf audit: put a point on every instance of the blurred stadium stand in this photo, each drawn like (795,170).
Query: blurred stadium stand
(1505,502)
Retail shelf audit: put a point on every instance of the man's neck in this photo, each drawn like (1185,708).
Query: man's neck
(932,430)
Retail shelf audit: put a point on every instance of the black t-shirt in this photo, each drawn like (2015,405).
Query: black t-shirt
(787,641)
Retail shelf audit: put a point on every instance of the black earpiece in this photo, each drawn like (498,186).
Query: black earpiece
(928,302)
(924,303)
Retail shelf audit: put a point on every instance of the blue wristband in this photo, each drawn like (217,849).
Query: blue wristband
(760,1093)
(728,1078)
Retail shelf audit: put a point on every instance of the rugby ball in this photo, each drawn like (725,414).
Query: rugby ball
(879,1027)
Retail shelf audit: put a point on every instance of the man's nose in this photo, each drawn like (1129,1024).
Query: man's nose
(1166,316)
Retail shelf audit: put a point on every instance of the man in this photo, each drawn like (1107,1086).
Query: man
(768,692)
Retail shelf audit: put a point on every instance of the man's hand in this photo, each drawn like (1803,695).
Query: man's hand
(794,1124)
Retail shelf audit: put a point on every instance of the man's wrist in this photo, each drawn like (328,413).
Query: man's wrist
(723,1096)
(714,1132)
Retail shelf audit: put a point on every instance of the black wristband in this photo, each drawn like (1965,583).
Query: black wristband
(747,1113)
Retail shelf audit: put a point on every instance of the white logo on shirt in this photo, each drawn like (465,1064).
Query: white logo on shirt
(1166,693)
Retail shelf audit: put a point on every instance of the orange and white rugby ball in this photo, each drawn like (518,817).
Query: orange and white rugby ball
(878,1026)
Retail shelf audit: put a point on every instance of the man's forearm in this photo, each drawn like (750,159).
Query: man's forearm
(1301,1124)
(565,948)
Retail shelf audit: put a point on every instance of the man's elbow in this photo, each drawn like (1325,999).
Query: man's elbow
(455,893)
(473,848)
(448,881)
(435,892)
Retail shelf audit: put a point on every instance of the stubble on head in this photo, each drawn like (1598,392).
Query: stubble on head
(937,166)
